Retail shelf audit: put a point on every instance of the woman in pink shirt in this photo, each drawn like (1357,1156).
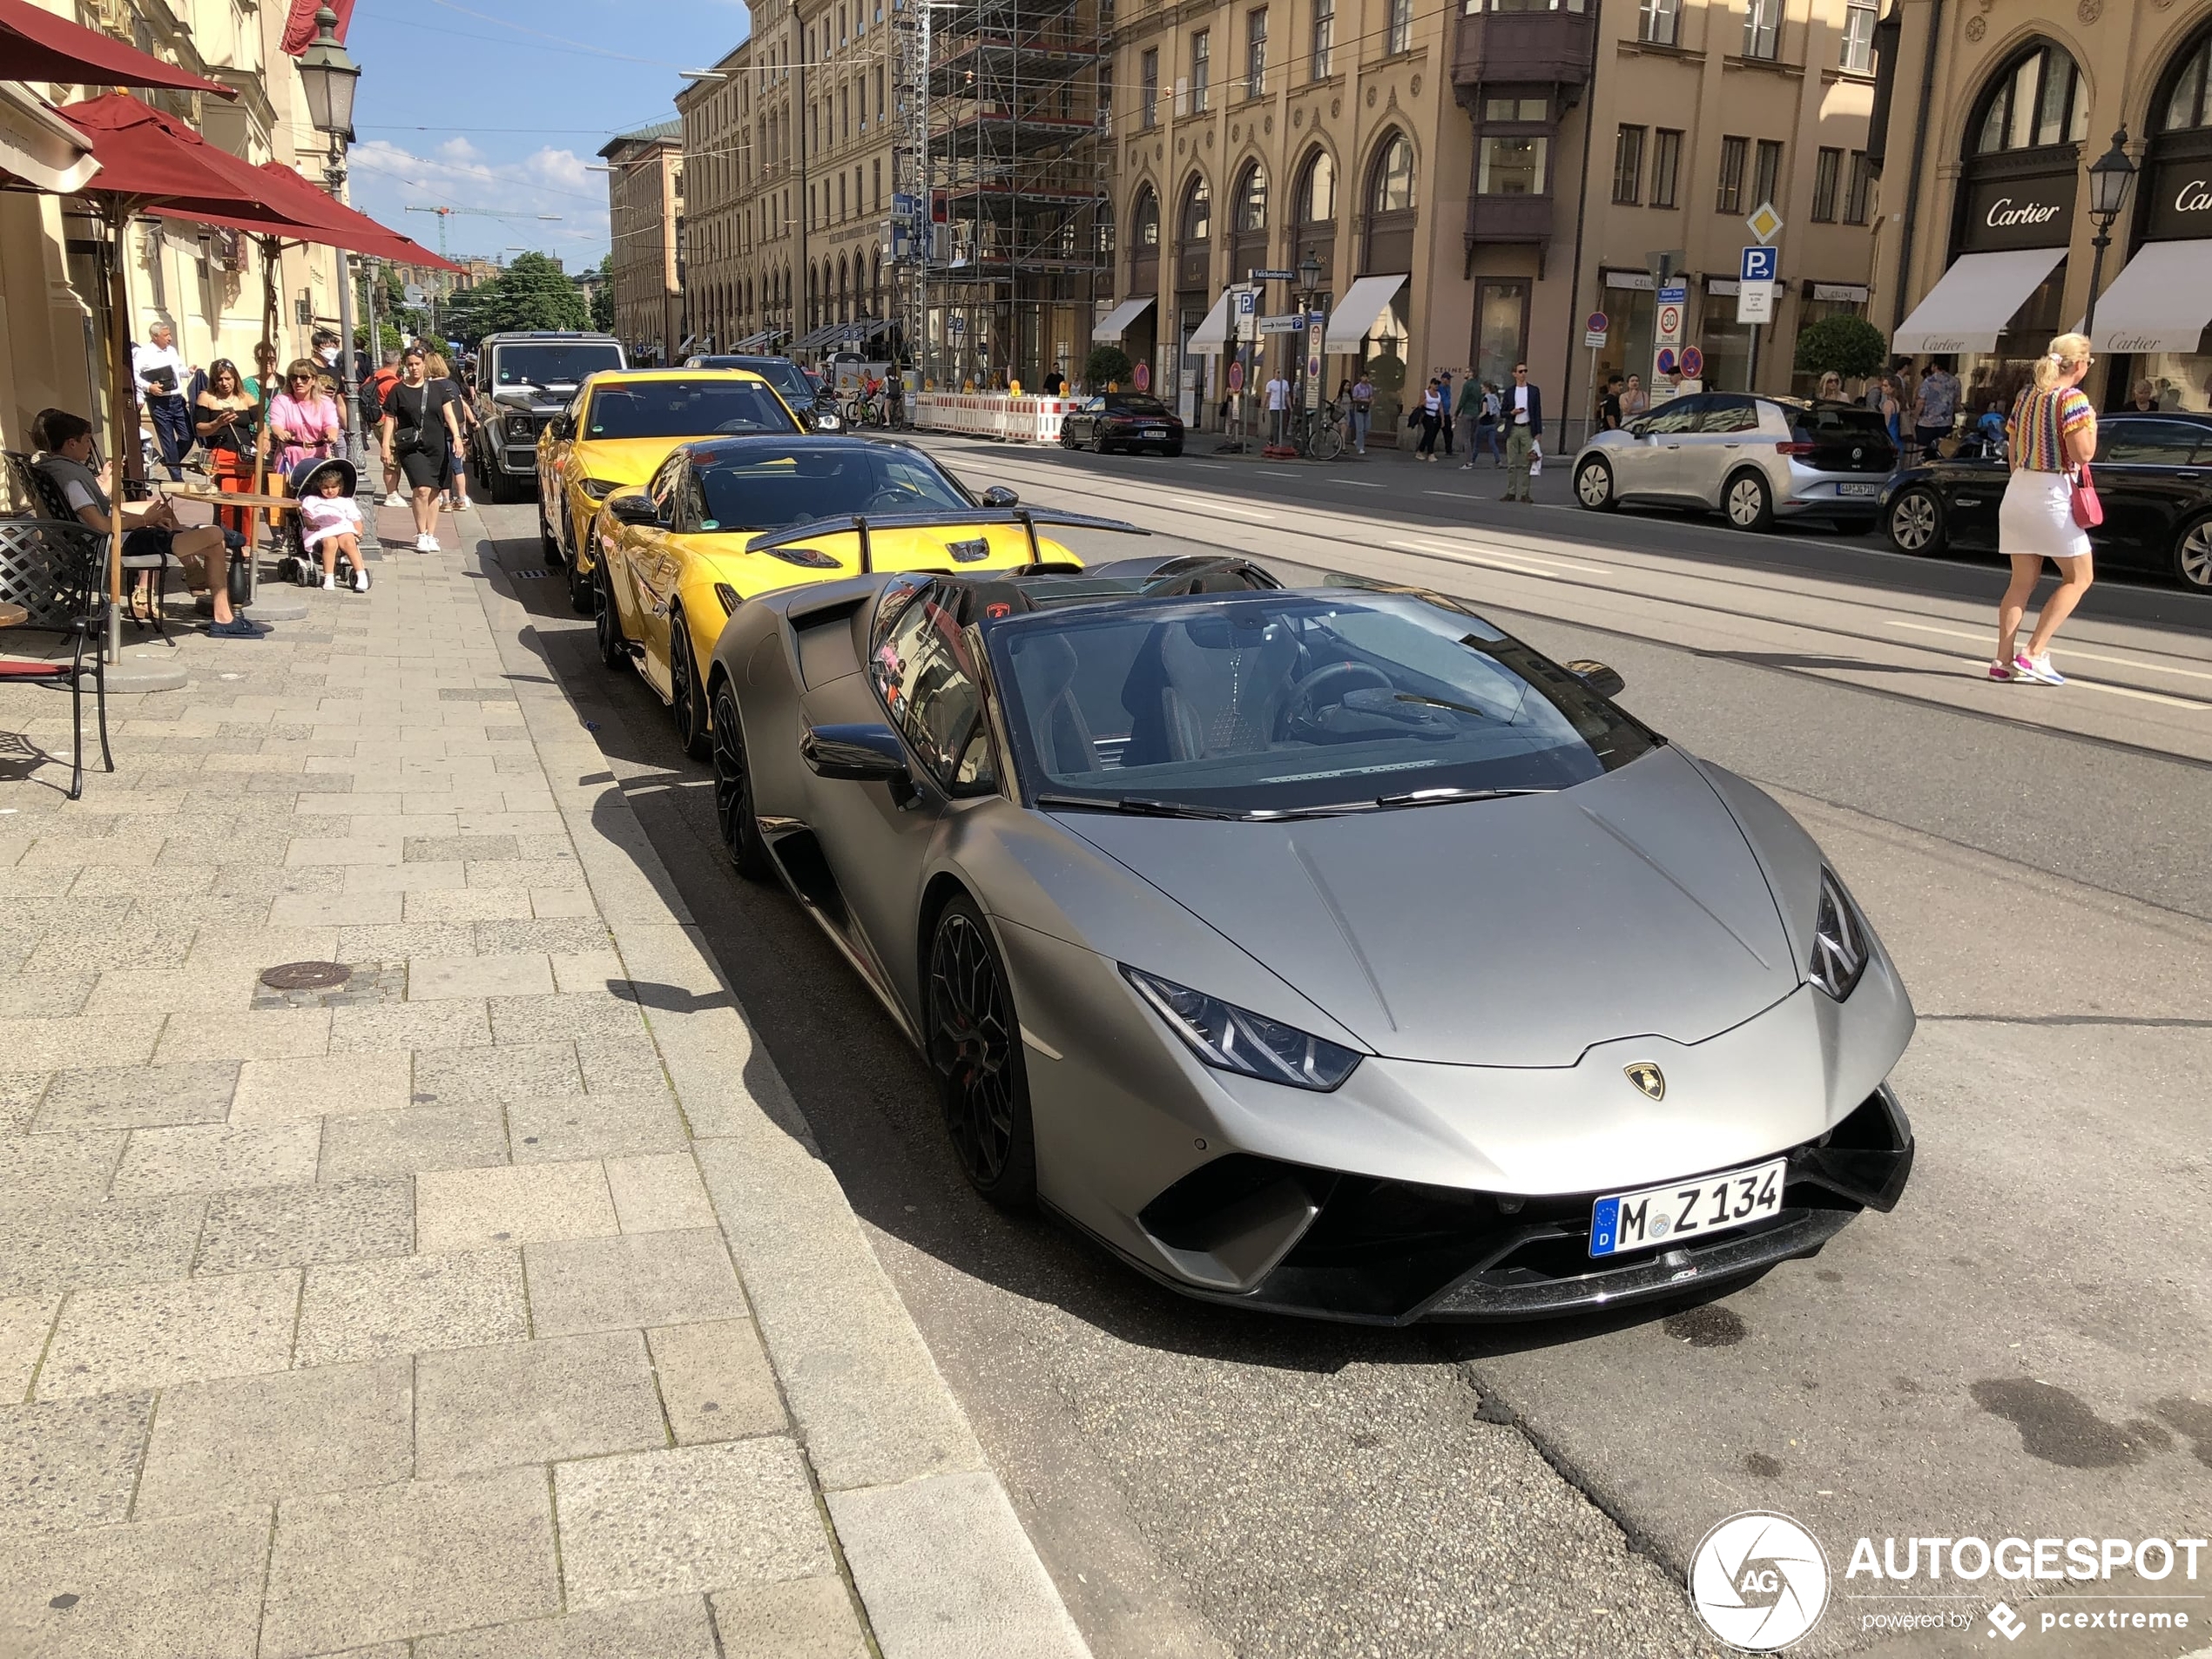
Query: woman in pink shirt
(304,422)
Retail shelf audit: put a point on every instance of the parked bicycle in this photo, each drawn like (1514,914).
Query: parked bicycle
(1320,433)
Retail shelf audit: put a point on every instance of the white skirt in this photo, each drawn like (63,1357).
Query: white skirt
(2037,518)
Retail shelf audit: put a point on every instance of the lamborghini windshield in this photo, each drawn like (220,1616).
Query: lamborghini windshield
(684,409)
(1268,703)
(768,486)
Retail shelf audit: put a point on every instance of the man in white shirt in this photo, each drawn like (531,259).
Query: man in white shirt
(1279,405)
(1523,415)
(159,370)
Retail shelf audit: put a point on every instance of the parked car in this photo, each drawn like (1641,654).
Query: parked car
(2153,472)
(1754,458)
(1127,419)
(793,384)
(523,379)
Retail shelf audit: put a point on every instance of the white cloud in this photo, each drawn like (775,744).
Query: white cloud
(503,199)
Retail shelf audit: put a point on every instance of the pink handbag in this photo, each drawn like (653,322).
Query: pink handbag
(2088,512)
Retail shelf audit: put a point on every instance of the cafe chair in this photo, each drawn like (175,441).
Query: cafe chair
(55,566)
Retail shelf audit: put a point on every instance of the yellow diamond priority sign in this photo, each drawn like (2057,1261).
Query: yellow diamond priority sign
(1765,223)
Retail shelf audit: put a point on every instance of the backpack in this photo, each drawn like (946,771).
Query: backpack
(374,391)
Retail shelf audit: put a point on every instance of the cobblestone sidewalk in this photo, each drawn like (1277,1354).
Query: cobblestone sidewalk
(489,1303)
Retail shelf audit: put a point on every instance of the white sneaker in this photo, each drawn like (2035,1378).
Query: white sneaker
(395,499)
(330,584)
(426,544)
(360,581)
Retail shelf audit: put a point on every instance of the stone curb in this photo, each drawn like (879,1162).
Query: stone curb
(935,1550)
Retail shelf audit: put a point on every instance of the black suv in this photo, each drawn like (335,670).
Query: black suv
(2153,472)
(814,406)
(523,379)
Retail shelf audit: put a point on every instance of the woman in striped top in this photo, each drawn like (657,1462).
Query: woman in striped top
(2052,432)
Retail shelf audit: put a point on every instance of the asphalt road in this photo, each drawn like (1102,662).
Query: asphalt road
(2020,1349)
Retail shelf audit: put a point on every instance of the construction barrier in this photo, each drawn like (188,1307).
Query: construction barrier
(994,415)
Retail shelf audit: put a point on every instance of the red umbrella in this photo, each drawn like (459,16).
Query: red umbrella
(37,45)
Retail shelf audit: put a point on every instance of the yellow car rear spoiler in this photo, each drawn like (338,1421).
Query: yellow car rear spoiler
(863,524)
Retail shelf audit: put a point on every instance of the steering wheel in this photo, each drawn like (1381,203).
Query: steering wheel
(1299,711)
(890,499)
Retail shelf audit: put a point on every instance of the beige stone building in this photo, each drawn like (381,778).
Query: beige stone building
(1996,114)
(734,271)
(208,284)
(1475,181)
(645,229)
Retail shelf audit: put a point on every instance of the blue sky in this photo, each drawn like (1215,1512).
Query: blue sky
(490,104)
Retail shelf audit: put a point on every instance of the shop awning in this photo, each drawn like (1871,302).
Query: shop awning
(41,45)
(2161,302)
(1213,333)
(40,148)
(1361,308)
(1116,322)
(1976,298)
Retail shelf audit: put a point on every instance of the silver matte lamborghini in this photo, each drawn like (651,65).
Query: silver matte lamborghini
(1322,950)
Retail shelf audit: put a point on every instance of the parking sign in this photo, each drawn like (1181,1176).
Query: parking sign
(1760,264)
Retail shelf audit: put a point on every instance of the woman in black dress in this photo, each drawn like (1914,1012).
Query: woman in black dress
(422,431)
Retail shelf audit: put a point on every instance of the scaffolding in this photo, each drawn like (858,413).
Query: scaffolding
(1003,143)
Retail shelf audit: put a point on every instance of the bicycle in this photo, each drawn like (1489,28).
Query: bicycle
(1321,433)
(861,411)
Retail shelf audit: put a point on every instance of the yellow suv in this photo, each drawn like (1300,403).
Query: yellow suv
(621,426)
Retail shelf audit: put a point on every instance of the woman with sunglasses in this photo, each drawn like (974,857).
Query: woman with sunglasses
(421,429)
(304,422)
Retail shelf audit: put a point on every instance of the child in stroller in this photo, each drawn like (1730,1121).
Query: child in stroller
(329,520)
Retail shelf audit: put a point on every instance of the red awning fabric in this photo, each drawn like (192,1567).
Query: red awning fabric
(39,45)
(164,166)
(353,231)
(299,22)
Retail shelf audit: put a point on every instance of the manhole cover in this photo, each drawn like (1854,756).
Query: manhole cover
(305,976)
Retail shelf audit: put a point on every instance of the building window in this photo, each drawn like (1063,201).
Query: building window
(2185,101)
(1256,53)
(1627,165)
(1827,174)
(1728,199)
(1473,6)
(1198,213)
(1147,222)
(1515,108)
(1858,194)
(2039,102)
(1252,201)
(1147,79)
(1659,21)
(1324,35)
(1762,27)
(1317,203)
(1666,166)
(1201,69)
(1766,172)
(1399,37)
(1507,166)
(1393,186)
(876,183)
(1858,37)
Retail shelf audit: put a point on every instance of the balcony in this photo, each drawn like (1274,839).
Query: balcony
(1557,47)
(1523,219)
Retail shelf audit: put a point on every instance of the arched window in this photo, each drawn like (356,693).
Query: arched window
(1102,229)
(1251,200)
(1197,211)
(1146,220)
(2039,99)
(1317,194)
(1391,189)
(2186,105)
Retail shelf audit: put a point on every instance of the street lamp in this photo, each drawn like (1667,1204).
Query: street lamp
(2109,176)
(328,78)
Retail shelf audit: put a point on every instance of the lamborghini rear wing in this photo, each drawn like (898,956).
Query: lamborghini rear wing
(863,524)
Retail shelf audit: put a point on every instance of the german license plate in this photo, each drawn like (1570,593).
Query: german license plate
(1151,432)
(1856,489)
(1667,1215)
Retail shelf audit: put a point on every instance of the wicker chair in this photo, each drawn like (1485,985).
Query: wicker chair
(55,566)
(28,483)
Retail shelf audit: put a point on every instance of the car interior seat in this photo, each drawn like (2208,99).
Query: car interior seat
(1226,680)
(1057,724)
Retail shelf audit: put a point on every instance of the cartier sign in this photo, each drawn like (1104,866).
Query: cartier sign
(2032,211)
(2179,201)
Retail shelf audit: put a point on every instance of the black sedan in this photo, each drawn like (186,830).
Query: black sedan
(1123,420)
(2153,472)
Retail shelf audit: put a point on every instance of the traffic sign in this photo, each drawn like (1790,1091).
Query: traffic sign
(1755,302)
(1289,325)
(1761,264)
(1670,322)
(1693,363)
(413,292)
(1674,293)
(1273,276)
(1765,223)
(1247,302)
(1664,362)
(1594,330)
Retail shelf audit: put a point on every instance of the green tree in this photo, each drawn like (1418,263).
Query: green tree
(1105,363)
(533,293)
(1844,345)
(603,297)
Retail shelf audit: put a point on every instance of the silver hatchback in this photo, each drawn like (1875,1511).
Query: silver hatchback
(1753,458)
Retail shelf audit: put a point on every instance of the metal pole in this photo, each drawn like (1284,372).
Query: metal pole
(348,390)
(2100,242)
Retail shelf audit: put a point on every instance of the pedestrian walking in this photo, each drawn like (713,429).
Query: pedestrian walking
(160,372)
(1431,416)
(420,430)
(440,373)
(1936,406)
(1489,427)
(1635,401)
(1279,405)
(1363,411)
(263,382)
(1891,406)
(1447,415)
(1524,421)
(229,422)
(375,386)
(1470,411)
(2053,438)
(1832,387)
(1608,405)
(304,422)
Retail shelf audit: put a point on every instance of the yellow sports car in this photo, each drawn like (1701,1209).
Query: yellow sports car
(620,427)
(726,519)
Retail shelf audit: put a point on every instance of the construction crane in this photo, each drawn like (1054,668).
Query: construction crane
(445,214)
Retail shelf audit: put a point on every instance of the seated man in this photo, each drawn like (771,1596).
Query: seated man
(149,527)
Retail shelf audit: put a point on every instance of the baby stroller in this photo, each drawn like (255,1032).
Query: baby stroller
(295,563)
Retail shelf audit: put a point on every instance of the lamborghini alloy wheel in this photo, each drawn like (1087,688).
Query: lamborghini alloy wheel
(975,1051)
(733,809)
(687,698)
(606,622)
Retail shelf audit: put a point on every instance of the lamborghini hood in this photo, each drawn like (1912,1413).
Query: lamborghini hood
(1514,932)
(620,461)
